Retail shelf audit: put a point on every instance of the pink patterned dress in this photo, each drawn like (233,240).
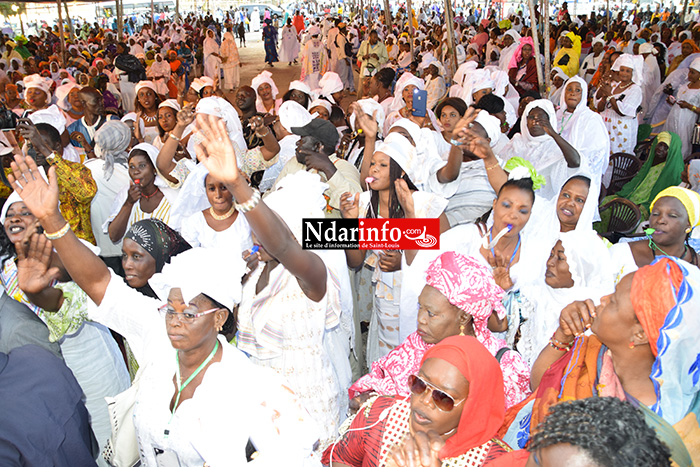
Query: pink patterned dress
(389,374)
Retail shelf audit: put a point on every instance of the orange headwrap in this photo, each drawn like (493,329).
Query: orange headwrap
(696,49)
(653,297)
(484,409)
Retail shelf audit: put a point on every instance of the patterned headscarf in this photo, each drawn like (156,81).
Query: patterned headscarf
(111,142)
(468,285)
(484,408)
(159,240)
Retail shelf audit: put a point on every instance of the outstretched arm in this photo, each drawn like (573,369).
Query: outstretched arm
(84,267)
(216,153)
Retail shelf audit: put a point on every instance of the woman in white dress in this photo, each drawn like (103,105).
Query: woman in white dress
(619,101)
(289,50)
(182,425)
(684,111)
(255,20)
(231,62)
(212,60)
(159,73)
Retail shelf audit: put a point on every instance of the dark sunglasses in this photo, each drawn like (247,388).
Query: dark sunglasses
(442,400)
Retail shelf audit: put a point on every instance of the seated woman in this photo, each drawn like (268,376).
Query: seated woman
(643,350)
(167,120)
(459,297)
(674,213)
(449,112)
(578,268)
(540,143)
(267,101)
(364,110)
(182,422)
(209,217)
(146,105)
(402,105)
(522,69)
(145,198)
(662,169)
(458,384)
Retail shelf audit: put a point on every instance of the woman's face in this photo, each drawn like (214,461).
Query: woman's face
(558,81)
(265,91)
(572,95)
(513,207)
(686,49)
(159,58)
(669,219)
(572,198)
(187,334)
(566,42)
(526,52)
(507,40)
(218,195)
(147,98)
(449,117)
(74,100)
(624,74)
(207,91)
(35,97)
(615,317)
(17,221)
(167,118)
(480,93)
(660,153)
(379,169)
(138,264)
(445,377)
(533,121)
(407,95)
(558,275)
(693,75)
(437,317)
(192,96)
(298,97)
(321,111)
(140,168)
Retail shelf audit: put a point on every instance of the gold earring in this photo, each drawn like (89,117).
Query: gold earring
(688,230)
(631,345)
(461,330)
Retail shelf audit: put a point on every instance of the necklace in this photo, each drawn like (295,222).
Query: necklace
(149,119)
(222,217)
(181,385)
(515,251)
(151,195)
(653,246)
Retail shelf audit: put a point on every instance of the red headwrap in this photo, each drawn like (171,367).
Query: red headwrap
(484,409)
(653,297)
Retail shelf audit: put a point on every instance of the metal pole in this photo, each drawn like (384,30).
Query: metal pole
(449,19)
(547,52)
(60,34)
(535,39)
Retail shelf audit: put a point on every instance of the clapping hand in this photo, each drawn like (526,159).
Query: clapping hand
(186,115)
(405,196)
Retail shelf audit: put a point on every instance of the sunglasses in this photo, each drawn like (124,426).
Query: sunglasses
(442,400)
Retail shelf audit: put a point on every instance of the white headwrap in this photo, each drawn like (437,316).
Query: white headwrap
(463,71)
(292,114)
(600,38)
(172,103)
(62,95)
(323,103)
(39,82)
(264,77)
(369,106)
(584,92)
(695,65)
(646,48)
(330,83)
(314,31)
(300,86)
(200,83)
(214,272)
(547,106)
(491,124)
(51,115)
(402,152)
(145,84)
(407,79)
(635,62)
(221,108)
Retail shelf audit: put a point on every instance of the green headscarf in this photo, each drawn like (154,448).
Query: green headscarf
(669,176)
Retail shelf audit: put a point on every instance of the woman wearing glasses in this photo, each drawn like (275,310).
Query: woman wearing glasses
(451,417)
(188,371)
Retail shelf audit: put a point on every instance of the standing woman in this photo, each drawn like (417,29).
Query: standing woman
(146,104)
(212,60)
(618,102)
(684,111)
(231,62)
(522,69)
(270,38)
(289,50)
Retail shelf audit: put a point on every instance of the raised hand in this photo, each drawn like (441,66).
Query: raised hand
(368,123)
(34,273)
(500,265)
(134,193)
(216,150)
(186,115)
(41,198)
(576,318)
(350,205)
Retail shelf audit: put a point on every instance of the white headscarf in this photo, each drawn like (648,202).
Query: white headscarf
(695,65)
(407,79)
(51,115)
(635,62)
(172,103)
(62,95)
(221,108)
(402,152)
(547,106)
(145,84)
(264,77)
(39,82)
(369,106)
(330,83)
(292,114)
(323,103)
(491,124)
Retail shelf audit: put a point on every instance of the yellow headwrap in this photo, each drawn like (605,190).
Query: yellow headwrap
(664,137)
(689,199)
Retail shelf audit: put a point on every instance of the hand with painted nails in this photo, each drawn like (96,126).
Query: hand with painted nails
(575,319)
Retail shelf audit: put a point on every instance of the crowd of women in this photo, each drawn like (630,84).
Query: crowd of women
(152,224)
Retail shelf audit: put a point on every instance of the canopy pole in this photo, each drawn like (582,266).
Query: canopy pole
(71,32)
(449,19)
(536,41)
(410,26)
(120,19)
(153,26)
(387,15)
(61,39)
(547,51)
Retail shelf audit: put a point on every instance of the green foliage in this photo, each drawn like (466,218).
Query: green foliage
(7,11)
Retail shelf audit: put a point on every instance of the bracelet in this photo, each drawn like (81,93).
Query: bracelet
(493,166)
(59,234)
(170,135)
(250,204)
(263,136)
(558,345)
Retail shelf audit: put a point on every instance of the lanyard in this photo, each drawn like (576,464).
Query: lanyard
(561,127)
(515,252)
(182,385)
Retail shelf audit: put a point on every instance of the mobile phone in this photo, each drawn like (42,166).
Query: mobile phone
(671,99)
(420,102)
